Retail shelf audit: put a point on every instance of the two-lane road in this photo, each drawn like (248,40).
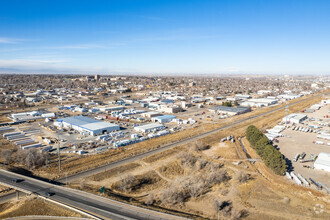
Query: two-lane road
(137,157)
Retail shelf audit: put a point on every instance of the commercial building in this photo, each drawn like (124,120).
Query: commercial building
(294,118)
(230,110)
(163,118)
(26,116)
(149,127)
(150,114)
(170,109)
(242,96)
(86,125)
(259,102)
(323,162)
(113,108)
(288,96)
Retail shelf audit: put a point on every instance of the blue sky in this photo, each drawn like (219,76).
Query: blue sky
(165,36)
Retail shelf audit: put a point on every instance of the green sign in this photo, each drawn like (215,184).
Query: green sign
(102,190)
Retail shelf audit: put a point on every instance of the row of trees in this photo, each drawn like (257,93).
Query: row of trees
(269,154)
(229,104)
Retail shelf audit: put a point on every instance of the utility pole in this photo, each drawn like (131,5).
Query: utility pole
(59,154)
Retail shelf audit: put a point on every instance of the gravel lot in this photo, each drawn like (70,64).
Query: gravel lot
(295,142)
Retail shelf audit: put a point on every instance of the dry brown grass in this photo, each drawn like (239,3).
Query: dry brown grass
(164,155)
(263,196)
(4,119)
(114,172)
(34,206)
(171,170)
(88,162)
(143,183)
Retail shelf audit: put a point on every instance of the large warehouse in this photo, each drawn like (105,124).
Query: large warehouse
(294,118)
(322,162)
(149,127)
(88,125)
(230,110)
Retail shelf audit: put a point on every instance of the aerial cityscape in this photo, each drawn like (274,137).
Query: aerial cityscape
(164,109)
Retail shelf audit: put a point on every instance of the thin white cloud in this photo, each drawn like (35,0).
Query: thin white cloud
(6,40)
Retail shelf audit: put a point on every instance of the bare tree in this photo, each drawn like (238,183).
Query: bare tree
(172,195)
(7,155)
(150,199)
(130,183)
(200,146)
(243,177)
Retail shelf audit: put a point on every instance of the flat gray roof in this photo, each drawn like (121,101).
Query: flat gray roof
(87,123)
(229,109)
(150,126)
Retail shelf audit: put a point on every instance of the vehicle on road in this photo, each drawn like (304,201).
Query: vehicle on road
(17,180)
(49,193)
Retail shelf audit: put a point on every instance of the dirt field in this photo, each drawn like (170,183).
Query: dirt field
(33,206)
(263,195)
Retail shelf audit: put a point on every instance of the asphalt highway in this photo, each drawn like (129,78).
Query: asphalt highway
(106,208)
(98,206)
(168,146)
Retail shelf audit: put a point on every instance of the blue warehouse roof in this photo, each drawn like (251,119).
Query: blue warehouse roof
(165,117)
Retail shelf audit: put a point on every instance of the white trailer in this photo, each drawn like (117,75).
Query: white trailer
(31,146)
(287,175)
(296,157)
(305,182)
(10,134)
(296,179)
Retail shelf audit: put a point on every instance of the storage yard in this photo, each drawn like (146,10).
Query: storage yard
(306,145)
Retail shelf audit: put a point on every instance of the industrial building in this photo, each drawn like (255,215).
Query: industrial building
(230,110)
(34,115)
(288,96)
(113,108)
(323,162)
(150,114)
(163,118)
(170,109)
(259,102)
(86,125)
(150,127)
(294,118)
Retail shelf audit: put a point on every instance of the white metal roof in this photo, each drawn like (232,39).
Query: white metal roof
(323,160)
(98,126)
(149,126)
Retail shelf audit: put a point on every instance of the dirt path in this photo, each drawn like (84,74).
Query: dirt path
(144,168)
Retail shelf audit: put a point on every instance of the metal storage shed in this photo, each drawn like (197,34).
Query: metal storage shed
(323,162)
